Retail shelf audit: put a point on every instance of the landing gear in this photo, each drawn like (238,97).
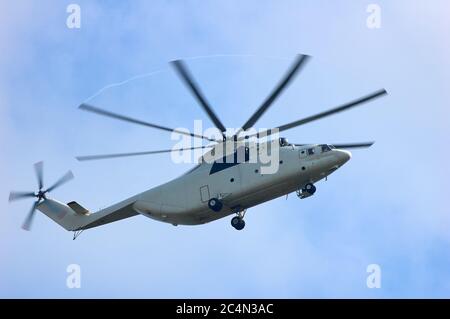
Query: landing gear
(308,190)
(215,204)
(238,221)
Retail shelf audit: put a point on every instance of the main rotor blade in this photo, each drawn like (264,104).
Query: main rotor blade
(354,145)
(348,145)
(298,63)
(13,196)
(106,156)
(335,110)
(332,111)
(188,80)
(29,220)
(64,179)
(39,170)
(93,109)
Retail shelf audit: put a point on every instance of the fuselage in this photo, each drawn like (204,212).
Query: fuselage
(239,186)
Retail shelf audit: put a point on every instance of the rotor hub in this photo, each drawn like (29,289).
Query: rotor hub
(41,194)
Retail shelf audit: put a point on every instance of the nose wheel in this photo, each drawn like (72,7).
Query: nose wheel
(308,190)
(238,221)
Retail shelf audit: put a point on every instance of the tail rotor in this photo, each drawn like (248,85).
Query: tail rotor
(40,194)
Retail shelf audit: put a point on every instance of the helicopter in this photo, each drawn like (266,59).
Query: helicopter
(226,181)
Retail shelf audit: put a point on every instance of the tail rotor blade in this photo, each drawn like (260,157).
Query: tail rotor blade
(13,196)
(39,170)
(67,177)
(29,220)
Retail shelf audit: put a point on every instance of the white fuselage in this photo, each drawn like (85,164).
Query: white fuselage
(185,200)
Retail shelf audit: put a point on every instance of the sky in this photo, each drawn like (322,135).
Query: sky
(387,206)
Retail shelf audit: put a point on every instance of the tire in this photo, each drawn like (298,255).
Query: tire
(310,188)
(235,221)
(238,223)
(215,204)
(241,224)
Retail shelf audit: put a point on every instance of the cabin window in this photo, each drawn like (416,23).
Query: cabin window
(230,160)
(311,151)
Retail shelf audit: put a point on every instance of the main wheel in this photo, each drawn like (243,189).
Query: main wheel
(215,204)
(235,221)
(241,225)
(238,223)
(310,188)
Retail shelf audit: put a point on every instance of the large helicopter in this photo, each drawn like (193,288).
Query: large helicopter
(226,181)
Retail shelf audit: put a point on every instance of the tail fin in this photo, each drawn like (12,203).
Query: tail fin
(75,217)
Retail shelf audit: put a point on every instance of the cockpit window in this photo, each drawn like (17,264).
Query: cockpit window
(283,141)
(325,148)
(311,151)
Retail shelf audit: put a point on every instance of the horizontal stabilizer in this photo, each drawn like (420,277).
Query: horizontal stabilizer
(78,208)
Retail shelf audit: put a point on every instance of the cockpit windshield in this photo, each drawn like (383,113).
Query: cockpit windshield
(283,141)
(319,149)
(325,148)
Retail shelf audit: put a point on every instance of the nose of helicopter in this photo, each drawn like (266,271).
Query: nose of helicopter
(342,156)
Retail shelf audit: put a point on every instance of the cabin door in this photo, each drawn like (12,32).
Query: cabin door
(204,193)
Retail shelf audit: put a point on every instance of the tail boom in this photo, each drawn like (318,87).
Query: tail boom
(72,217)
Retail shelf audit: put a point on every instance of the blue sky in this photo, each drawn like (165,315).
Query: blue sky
(387,206)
